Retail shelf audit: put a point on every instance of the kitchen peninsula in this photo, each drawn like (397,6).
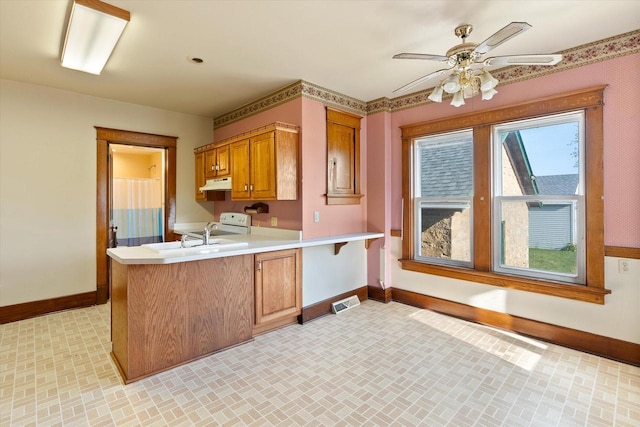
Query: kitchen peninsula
(169,307)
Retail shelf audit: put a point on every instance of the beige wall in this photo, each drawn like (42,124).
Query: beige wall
(127,165)
(48,184)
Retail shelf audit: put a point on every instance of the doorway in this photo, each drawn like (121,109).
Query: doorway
(104,138)
(137,197)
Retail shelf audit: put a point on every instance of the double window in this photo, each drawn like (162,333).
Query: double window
(510,197)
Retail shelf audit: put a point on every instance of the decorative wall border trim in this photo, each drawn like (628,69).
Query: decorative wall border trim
(289,93)
(602,50)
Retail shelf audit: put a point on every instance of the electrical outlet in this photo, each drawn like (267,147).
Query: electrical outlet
(316,216)
(274,221)
(623,266)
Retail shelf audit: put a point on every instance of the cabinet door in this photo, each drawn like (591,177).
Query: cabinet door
(343,158)
(263,161)
(210,164)
(278,286)
(222,160)
(239,163)
(341,155)
(200,177)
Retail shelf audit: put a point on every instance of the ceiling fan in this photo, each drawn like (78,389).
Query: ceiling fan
(466,81)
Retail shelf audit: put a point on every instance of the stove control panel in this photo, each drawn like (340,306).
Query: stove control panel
(235,218)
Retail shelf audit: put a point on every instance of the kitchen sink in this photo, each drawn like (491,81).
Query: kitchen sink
(193,246)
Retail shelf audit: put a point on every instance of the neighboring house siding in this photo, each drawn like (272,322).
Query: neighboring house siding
(550,226)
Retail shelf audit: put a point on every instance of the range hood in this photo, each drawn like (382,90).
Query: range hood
(217,184)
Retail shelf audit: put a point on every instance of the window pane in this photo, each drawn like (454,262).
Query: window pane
(445,231)
(539,236)
(443,193)
(541,159)
(445,165)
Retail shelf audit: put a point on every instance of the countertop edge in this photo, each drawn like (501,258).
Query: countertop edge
(138,255)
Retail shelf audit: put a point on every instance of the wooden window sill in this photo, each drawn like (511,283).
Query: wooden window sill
(576,292)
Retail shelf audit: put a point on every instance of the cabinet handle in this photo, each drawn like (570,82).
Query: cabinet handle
(217,167)
(251,187)
(246,187)
(259,265)
(213,167)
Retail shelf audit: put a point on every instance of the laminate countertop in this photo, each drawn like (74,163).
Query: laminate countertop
(266,240)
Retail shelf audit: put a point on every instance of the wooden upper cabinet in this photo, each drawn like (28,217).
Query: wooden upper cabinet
(264,164)
(223,161)
(343,158)
(263,174)
(217,162)
(200,177)
(240,178)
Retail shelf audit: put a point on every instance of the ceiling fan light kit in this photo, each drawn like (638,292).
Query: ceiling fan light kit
(466,81)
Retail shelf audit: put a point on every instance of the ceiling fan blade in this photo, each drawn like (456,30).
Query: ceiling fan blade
(420,80)
(536,59)
(421,56)
(506,33)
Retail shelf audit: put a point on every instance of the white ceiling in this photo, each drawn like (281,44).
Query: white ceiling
(252,48)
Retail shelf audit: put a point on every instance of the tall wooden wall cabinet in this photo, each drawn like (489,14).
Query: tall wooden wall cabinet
(343,158)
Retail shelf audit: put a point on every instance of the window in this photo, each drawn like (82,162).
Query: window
(538,198)
(485,201)
(444,195)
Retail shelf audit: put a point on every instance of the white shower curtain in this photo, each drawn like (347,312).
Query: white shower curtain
(137,210)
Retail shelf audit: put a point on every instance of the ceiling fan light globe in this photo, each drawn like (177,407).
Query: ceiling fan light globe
(458,99)
(488,94)
(452,83)
(436,94)
(487,81)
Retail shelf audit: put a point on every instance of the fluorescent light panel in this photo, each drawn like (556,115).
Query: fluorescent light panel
(93,31)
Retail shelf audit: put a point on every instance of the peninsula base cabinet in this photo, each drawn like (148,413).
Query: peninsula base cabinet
(278,289)
(164,315)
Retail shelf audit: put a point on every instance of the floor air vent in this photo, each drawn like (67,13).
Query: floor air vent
(345,304)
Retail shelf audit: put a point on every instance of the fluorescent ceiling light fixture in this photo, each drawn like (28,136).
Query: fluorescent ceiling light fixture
(93,31)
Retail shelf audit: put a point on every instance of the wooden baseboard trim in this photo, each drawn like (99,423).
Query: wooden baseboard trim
(379,294)
(13,313)
(322,308)
(611,348)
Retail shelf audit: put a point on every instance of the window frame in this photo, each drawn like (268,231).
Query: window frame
(576,201)
(589,100)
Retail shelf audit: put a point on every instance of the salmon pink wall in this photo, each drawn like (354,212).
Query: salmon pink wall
(334,219)
(621,132)
(289,213)
(379,195)
(310,115)
(289,112)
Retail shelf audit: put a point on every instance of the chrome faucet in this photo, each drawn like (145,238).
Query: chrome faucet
(185,236)
(207,231)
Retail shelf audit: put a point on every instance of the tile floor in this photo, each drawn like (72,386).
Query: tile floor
(375,365)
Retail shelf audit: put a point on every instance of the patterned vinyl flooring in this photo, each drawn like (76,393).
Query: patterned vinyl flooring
(375,365)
